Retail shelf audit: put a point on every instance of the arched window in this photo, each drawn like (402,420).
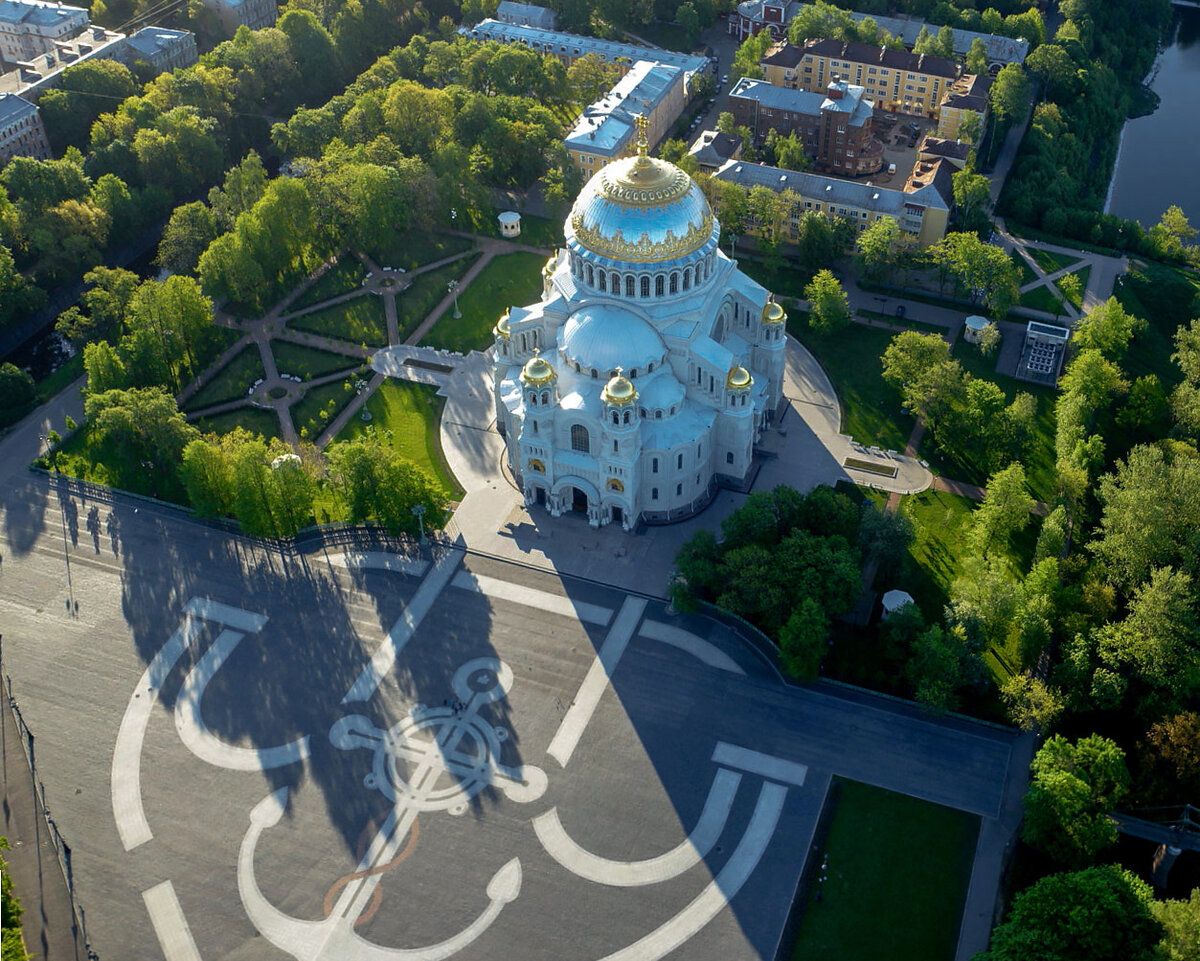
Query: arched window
(594,374)
(687,279)
(603,280)
(633,373)
(658,286)
(674,286)
(629,285)
(645,287)
(579,439)
(658,414)
(533,400)
(616,417)
(545,398)
(591,276)
(650,369)
(625,419)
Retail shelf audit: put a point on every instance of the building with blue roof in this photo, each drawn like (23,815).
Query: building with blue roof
(22,133)
(29,28)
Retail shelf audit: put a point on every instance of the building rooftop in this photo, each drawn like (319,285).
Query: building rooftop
(527,13)
(753,9)
(712,149)
(999,49)
(936,175)
(941,147)
(847,193)
(14,108)
(149,40)
(852,102)
(36,12)
(606,126)
(895,59)
(570,44)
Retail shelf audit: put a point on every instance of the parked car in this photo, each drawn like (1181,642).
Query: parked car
(901,310)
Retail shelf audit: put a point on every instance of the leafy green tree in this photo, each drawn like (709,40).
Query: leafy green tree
(980,269)
(17,392)
(148,430)
(1181,924)
(171,320)
(972,194)
(1108,328)
(1098,914)
(1003,513)
(85,91)
(910,355)
(1010,94)
(1075,788)
(1150,513)
(1031,703)
(1056,69)
(937,667)
(977,58)
(746,60)
(828,304)
(879,247)
(1170,757)
(310,44)
(815,243)
(989,340)
(205,473)
(970,128)
(944,44)
(104,368)
(688,20)
(1172,232)
(10,913)
(188,233)
(790,153)
(17,295)
(820,20)
(589,77)
(804,640)
(371,482)
(925,43)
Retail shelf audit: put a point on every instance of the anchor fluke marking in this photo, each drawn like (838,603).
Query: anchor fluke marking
(269,811)
(506,883)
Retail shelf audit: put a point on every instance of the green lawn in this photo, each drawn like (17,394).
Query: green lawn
(1165,297)
(359,321)
(788,281)
(871,411)
(67,373)
(1026,273)
(344,276)
(254,419)
(1039,455)
(411,249)
(1077,300)
(941,521)
(309,362)
(896,881)
(540,231)
(406,415)
(1041,298)
(415,302)
(509,280)
(232,382)
(1050,261)
(319,405)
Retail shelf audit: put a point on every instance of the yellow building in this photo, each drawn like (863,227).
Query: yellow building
(895,79)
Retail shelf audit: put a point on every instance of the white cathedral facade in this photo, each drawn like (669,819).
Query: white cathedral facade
(640,382)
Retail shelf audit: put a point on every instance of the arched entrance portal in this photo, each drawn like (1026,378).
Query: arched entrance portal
(579,500)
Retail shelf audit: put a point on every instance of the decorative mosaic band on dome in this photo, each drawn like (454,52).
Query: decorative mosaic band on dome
(644,183)
(643,250)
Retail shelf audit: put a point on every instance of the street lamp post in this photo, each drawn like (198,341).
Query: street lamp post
(419,513)
(360,387)
(452,287)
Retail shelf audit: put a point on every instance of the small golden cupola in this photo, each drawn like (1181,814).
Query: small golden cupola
(773,313)
(537,371)
(619,391)
(739,378)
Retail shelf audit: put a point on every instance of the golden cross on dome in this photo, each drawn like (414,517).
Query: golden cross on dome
(642,144)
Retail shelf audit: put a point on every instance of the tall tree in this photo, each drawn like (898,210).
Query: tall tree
(977,58)
(829,307)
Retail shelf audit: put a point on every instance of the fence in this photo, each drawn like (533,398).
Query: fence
(61,847)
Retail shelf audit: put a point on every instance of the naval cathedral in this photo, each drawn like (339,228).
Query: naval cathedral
(640,382)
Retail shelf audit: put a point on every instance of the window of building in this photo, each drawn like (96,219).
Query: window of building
(678,490)
(580,440)
(658,286)
(679,462)
(654,493)
(674,286)
(629,285)
(729,457)
(645,288)
(654,465)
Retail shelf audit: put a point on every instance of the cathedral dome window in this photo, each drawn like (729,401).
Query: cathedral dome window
(580,439)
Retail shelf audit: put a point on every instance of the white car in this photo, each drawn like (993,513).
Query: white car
(725,80)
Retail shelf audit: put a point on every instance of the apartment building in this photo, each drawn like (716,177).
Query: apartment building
(607,129)
(29,28)
(254,14)
(160,48)
(895,79)
(21,131)
(921,208)
(569,47)
(968,94)
(527,14)
(1000,50)
(835,126)
(753,16)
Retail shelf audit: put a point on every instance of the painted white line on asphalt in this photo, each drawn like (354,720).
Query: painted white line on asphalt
(128,812)
(532,597)
(384,657)
(166,914)
(212,610)
(189,720)
(562,847)
(721,890)
(754,762)
(378,560)
(596,682)
(699,648)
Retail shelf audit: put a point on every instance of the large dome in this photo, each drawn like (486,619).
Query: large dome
(641,210)
(604,337)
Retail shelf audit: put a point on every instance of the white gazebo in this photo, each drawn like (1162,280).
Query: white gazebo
(894,600)
(973,328)
(510,224)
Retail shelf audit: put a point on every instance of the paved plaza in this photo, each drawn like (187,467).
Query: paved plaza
(360,754)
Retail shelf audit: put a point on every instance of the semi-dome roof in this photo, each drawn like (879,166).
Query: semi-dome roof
(641,209)
(606,337)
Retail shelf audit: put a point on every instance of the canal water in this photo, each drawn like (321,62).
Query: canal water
(1159,161)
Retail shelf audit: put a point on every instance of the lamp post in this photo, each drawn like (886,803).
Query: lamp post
(452,287)
(419,513)
(360,387)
